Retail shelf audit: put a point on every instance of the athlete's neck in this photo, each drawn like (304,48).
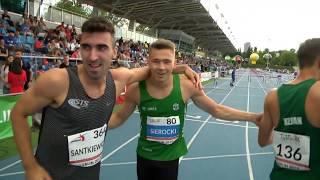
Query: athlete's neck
(307,73)
(84,77)
(160,84)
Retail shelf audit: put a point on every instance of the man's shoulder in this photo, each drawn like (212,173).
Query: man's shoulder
(119,73)
(56,75)
(314,90)
(188,89)
(185,81)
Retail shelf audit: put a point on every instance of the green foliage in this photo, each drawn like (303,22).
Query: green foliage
(116,20)
(74,6)
(288,58)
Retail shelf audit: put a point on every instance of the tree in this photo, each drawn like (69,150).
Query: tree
(73,6)
(116,20)
(288,58)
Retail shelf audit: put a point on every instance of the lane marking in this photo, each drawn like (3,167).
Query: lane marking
(246,135)
(205,122)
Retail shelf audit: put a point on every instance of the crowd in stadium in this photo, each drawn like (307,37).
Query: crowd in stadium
(31,36)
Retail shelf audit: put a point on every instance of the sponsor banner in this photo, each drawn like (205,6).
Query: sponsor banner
(205,76)
(6,104)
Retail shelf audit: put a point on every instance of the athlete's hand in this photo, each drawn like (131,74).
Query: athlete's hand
(194,77)
(258,119)
(37,173)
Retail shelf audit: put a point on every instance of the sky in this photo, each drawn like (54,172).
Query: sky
(272,24)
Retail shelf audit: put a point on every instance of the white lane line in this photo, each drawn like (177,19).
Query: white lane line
(118,148)
(246,136)
(196,158)
(114,151)
(220,120)
(220,123)
(226,156)
(127,142)
(119,163)
(11,174)
(205,122)
(185,159)
(10,165)
(195,117)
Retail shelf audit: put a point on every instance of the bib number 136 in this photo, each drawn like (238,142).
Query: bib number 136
(289,152)
(292,150)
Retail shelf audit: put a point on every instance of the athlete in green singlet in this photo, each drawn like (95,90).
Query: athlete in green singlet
(162,100)
(291,120)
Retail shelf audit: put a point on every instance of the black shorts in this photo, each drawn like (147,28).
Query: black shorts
(157,170)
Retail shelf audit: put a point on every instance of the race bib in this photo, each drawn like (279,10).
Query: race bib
(85,148)
(292,150)
(164,130)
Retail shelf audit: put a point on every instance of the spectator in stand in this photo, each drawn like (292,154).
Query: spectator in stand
(26,66)
(68,32)
(74,32)
(3,30)
(42,25)
(21,20)
(40,47)
(71,46)
(4,74)
(120,41)
(3,51)
(25,27)
(29,42)
(65,62)
(6,17)
(16,77)
(20,39)
(51,46)
(10,40)
(62,32)
(76,53)
(61,25)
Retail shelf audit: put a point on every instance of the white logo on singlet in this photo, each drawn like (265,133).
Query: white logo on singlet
(78,103)
(175,107)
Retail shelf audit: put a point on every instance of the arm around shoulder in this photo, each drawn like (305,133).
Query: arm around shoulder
(128,76)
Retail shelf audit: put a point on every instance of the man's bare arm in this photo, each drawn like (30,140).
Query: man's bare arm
(221,111)
(43,93)
(266,125)
(128,76)
(127,108)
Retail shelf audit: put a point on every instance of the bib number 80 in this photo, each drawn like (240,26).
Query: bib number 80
(171,121)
